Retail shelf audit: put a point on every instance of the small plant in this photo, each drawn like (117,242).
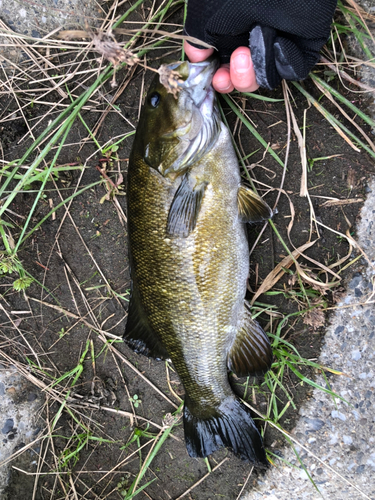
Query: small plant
(62,333)
(22,283)
(9,264)
(135,401)
(71,454)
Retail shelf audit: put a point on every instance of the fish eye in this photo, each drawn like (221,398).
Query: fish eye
(155,99)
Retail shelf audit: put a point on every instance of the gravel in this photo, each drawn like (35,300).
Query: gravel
(38,18)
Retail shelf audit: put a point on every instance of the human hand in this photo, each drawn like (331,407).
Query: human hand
(239,74)
(284,38)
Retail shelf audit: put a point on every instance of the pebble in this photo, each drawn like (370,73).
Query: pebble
(8,426)
(314,424)
(347,440)
(356,355)
(338,414)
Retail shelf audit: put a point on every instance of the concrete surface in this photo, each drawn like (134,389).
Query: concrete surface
(37,18)
(20,402)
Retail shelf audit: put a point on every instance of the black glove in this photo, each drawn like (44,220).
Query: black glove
(285,35)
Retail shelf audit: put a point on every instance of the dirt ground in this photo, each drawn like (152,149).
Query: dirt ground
(76,255)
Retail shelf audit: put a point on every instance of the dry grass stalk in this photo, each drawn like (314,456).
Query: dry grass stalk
(202,479)
(302,147)
(102,335)
(362,13)
(111,50)
(105,44)
(344,113)
(170,78)
(344,75)
(277,273)
(333,203)
(175,35)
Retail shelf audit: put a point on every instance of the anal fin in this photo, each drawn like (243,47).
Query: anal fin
(251,207)
(138,333)
(186,204)
(251,352)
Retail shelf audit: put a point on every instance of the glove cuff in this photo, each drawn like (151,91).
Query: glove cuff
(261,44)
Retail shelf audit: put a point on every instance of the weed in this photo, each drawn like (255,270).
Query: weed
(135,401)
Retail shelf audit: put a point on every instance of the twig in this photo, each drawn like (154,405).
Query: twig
(245,483)
(202,479)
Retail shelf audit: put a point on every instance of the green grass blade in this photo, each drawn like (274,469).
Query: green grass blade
(61,204)
(139,490)
(303,465)
(311,382)
(345,101)
(331,119)
(260,97)
(252,130)
(75,107)
(127,13)
(39,194)
(147,463)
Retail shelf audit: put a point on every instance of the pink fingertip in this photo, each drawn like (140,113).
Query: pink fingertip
(221,80)
(242,71)
(196,55)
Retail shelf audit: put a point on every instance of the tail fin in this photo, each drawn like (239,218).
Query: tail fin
(231,426)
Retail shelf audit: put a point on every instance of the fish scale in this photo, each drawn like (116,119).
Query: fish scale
(174,266)
(189,262)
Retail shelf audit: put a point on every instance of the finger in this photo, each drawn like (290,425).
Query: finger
(242,73)
(221,80)
(196,55)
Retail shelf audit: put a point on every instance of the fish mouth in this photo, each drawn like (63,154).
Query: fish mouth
(197,84)
(196,80)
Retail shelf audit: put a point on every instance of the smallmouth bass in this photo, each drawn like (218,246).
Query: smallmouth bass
(189,260)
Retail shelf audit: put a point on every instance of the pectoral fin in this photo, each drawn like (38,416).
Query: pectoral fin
(186,204)
(138,332)
(251,207)
(251,351)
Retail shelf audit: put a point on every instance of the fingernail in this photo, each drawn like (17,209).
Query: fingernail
(242,63)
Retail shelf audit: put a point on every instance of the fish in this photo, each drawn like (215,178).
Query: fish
(189,259)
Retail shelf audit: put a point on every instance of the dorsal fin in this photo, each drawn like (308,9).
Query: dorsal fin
(186,204)
(138,333)
(251,351)
(251,207)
